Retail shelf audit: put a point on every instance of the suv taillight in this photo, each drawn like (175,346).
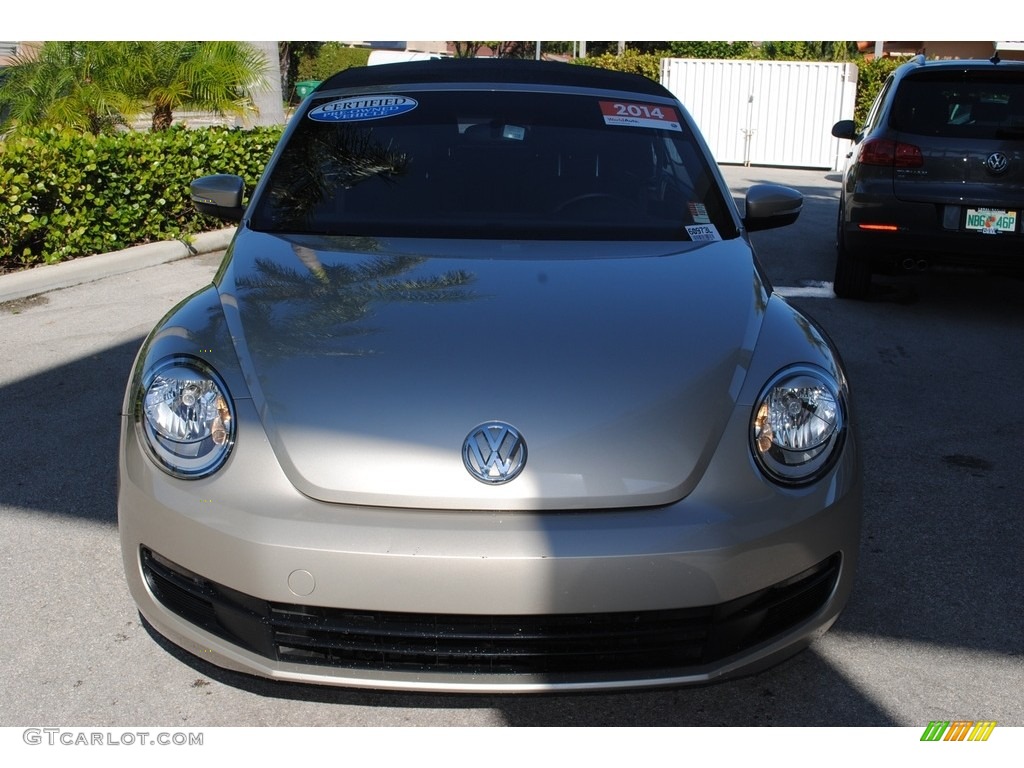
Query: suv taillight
(892,153)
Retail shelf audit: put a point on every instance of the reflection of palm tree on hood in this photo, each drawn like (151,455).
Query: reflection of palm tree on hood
(311,261)
(306,252)
(287,311)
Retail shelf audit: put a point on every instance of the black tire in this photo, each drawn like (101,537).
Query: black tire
(853,275)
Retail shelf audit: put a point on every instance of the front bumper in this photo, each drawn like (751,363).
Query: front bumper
(733,578)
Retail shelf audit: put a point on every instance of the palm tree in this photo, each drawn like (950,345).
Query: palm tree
(96,86)
(66,84)
(214,76)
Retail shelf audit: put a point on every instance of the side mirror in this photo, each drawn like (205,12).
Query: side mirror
(771,205)
(845,129)
(219,196)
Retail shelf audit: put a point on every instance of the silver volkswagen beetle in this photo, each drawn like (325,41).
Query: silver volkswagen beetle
(489,394)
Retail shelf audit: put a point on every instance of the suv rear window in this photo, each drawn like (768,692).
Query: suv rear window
(483,164)
(968,104)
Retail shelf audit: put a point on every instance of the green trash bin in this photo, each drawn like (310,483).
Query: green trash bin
(306,87)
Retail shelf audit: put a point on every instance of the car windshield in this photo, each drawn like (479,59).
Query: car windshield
(967,104)
(492,164)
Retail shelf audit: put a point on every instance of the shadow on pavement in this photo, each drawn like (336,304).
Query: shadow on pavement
(59,436)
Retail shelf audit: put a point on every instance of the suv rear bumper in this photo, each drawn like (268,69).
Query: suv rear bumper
(927,234)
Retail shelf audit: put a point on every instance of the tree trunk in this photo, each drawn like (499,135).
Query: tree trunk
(269,101)
(162,117)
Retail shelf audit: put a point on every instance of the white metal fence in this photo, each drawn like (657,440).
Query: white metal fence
(766,112)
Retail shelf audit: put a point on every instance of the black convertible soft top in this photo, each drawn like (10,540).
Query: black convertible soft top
(504,71)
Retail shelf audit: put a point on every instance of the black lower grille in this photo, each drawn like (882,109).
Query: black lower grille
(603,643)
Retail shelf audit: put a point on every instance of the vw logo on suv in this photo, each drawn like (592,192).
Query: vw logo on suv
(997,163)
(494,453)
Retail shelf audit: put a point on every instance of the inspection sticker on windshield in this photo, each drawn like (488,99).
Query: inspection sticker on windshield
(702,233)
(372,107)
(698,213)
(640,115)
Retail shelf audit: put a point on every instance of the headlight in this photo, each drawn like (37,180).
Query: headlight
(185,418)
(798,425)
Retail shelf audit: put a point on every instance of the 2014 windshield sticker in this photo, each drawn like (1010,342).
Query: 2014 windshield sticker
(640,115)
(373,107)
(703,233)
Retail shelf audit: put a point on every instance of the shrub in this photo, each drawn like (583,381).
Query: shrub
(871,76)
(711,49)
(64,195)
(646,64)
(330,59)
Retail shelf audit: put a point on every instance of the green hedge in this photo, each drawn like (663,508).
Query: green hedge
(329,60)
(871,77)
(64,195)
(646,64)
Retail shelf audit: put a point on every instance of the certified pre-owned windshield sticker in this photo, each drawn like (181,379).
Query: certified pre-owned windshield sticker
(701,233)
(372,107)
(640,115)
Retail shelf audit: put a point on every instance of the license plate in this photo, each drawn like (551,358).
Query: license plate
(991,220)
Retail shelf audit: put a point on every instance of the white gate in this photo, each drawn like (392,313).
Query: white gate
(766,112)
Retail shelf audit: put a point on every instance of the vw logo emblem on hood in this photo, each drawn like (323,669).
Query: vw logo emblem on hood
(494,453)
(997,163)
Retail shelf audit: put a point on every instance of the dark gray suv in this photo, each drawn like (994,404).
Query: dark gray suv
(936,176)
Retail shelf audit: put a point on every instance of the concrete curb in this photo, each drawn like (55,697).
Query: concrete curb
(30,282)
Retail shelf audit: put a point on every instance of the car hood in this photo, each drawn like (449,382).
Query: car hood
(371,361)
